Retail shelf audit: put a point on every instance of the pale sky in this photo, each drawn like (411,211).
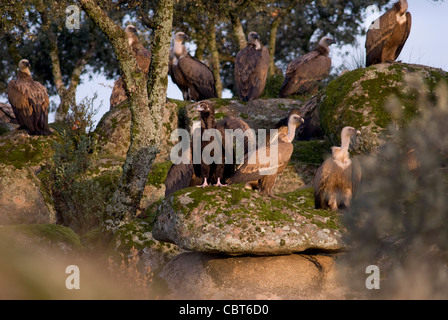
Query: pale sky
(427,45)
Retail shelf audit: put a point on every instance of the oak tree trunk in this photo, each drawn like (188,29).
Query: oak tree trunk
(147,97)
(272,45)
(238,31)
(67,93)
(216,64)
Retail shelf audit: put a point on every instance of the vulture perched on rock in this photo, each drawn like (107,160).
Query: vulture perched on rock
(194,78)
(143,57)
(7,114)
(29,101)
(336,179)
(304,74)
(254,169)
(251,69)
(177,76)
(220,172)
(181,176)
(214,171)
(388,34)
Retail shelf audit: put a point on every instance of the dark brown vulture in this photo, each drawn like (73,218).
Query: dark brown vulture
(143,57)
(183,175)
(388,34)
(29,100)
(251,69)
(177,76)
(214,171)
(7,114)
(193,77)
(266,174)
(118,93)
(336,179)
(179,177)
(187,175)
(304,74)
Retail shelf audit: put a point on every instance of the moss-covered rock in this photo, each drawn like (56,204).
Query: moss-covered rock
(23,199)
(6,128)
(155,186)
(114,135)
(306,158)
(259,114)
(358,99)
(235,221)
(195,275)
(53,236)
(137,234)
(8,121)
(21,150)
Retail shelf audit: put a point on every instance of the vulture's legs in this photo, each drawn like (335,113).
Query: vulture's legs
(218,184)
(205,184)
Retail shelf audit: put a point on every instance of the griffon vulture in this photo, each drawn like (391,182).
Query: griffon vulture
(181,176)
(282,127)
(143,57)
(388,34)
(304,74)
(251,69)
(193,77)
(267,173)
(177,76)
(336,179)
(29,100)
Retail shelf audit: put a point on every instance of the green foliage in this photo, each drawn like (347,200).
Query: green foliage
(46,234)
(81,116)
(359,98)
(399,219)
(3,129)
(26,151)
(228,202)
(24,34)
(158,174)
(311,152)
(302,24)
(79,196)
(273,86)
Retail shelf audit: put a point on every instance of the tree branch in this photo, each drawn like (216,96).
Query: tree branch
(238,31)
(146,102)
(147,21)
(54,52)
(216,65)
(82,62)
(117,38)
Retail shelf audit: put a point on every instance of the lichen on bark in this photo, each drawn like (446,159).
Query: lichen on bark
(147,97)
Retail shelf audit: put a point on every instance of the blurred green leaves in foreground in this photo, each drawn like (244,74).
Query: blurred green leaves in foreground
(399,218)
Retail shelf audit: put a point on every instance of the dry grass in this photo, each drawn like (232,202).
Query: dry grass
(33,271)
(132,274)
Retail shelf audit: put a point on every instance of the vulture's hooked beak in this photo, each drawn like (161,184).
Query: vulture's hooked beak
(27,64)
(199,108)
(358,132)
